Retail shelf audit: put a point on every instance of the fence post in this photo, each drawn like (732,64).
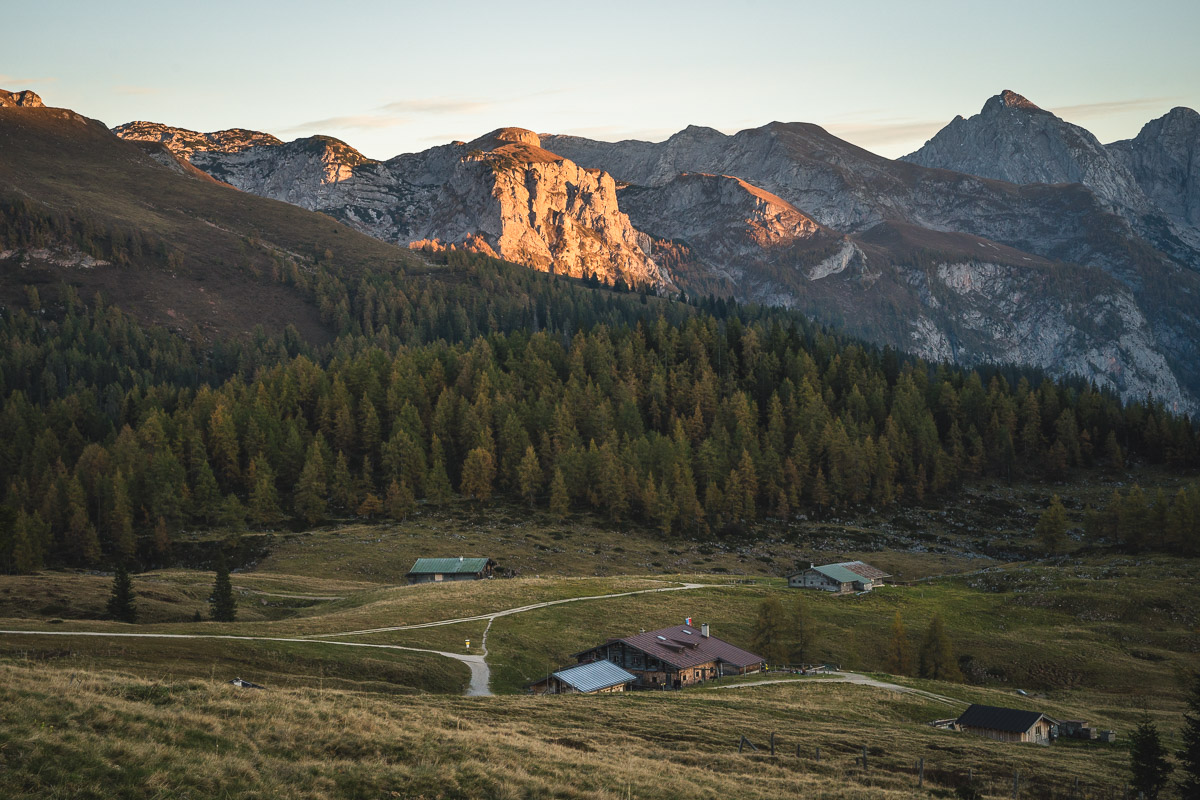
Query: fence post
(818,754)
(921,773)
(1016,784)
(772,742)
(864,758)
(797,751)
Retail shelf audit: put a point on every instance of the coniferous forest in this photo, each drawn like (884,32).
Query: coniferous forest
(693,418)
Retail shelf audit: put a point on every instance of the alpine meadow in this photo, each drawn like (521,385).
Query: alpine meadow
(633,459)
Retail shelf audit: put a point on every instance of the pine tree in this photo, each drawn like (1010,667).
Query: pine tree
(162,539)
(222,604)
(1051,528)
(400,501)
(1148,763)
(26,556)
(1189,754)
(560,503)
(479,470)
(264,500)
(341,486)
(437,484)
(309,498)
(936,659)
(370,507)
(771,631)
(899,652)
(529,475)
(807,632)
(121,605)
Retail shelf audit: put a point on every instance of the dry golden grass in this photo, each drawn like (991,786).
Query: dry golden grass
(66,732)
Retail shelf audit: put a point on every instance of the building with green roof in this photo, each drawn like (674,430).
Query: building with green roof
(437,570)
(846,576)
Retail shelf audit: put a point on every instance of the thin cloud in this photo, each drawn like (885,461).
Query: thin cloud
(883,134)
(12,80)
(1093,110)
(434,105)
(138,90)
(391,115)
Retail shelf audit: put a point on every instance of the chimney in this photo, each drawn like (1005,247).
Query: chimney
(704,629)
(460,558)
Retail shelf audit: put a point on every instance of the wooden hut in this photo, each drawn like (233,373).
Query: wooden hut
(674,657)
(436,570)
(1007,724)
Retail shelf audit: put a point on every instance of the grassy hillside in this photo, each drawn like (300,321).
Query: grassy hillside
(104,734)
(193,253)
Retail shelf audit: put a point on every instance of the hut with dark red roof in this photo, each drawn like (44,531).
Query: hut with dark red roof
(674,657)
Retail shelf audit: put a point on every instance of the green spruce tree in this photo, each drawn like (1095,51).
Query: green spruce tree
(1148,765)
(1051,528)
(221,603)
(121,605)
(1189,754)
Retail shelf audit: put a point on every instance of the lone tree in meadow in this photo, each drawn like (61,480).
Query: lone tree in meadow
(1051,527)
(899,652)
(771,631)
(1148,765)
(222,605)
(1189,754)
(121,605)
(936,659)
(806,630)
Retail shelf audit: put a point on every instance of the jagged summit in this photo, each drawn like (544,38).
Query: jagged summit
(1010,99)
(21,99)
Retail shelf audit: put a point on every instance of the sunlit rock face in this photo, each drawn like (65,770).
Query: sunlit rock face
(22,99)
(501,194)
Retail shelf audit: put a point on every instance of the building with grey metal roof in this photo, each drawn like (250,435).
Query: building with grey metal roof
(592,678)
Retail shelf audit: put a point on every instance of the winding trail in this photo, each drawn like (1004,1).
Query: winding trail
(481,675)
(853,677)
(491,616)
(478,667)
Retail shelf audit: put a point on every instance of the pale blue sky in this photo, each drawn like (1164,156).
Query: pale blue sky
(393,77)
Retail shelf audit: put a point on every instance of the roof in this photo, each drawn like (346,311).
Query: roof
(864,569)
(682,646)
(449,566)
(840,573)
(994,718)
(594,676)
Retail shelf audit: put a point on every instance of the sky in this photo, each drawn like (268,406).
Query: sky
(396,77)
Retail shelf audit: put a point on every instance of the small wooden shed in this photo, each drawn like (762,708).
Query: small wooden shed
(1008,724)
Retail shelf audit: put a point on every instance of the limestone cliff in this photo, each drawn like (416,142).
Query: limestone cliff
(501,194)
(22,99)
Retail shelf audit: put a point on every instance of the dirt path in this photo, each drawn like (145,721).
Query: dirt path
(481,676)
(479,670)
(853,677)
(520,609)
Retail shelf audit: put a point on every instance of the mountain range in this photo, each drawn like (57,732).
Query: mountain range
(1011,236)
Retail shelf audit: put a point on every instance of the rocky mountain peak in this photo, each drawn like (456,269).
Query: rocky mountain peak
(1010,99)
(186,143)
(22,99)
(501,136)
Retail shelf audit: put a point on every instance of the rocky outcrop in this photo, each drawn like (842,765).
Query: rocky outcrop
(22,99)
(509,197)
(1164,158)
(185,143)
(502,194)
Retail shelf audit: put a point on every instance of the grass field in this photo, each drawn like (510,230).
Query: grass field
(105,734)
(1104,638)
